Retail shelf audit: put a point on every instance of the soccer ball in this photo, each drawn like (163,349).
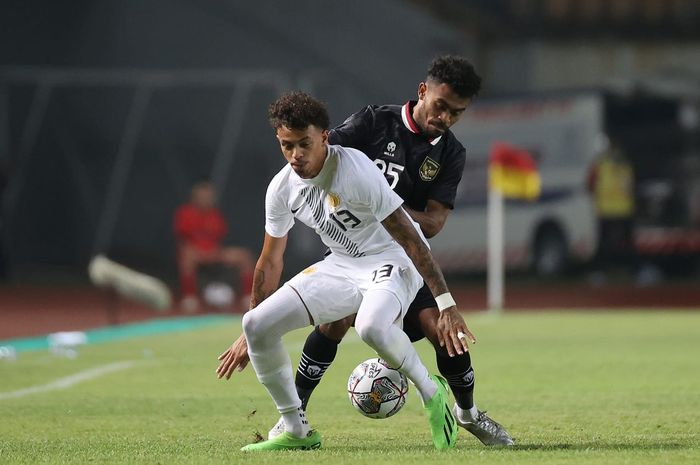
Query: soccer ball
(376,390)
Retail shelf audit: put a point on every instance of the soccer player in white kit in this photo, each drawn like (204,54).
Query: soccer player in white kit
(375,268)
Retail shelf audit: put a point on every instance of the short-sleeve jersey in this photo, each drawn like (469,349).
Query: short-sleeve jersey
(345,204)
(417,168)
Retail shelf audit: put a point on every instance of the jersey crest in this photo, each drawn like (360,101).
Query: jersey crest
(429,169)
(333,201)
(309,270)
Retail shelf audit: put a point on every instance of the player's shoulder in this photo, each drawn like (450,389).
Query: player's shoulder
(353,160)
(281,179)
(386,112)
(378,112)
(388,109)
(348,155)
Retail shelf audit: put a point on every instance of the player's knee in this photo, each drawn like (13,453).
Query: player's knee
(253,327)
(337,329)
(370,334)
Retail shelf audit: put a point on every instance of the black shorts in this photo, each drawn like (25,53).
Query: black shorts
(411,324)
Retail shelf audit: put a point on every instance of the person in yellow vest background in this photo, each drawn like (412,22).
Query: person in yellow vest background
(611,183)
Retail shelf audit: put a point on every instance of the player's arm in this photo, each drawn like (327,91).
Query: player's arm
(355,130)
(268,271)
(432,220)
(450,323)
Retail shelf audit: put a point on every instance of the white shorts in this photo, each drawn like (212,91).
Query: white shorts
(334,287)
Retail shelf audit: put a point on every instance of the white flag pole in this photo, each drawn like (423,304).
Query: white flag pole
(495,272)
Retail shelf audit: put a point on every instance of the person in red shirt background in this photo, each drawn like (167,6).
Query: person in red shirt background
(200,229)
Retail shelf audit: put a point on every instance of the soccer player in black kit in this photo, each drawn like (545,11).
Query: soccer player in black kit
(423,162)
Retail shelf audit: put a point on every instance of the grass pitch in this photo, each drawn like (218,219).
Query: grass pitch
(572,388)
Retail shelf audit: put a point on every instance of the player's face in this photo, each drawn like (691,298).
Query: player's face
(438,108)
(304,149)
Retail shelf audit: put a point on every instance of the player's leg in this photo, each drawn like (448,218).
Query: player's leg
(458,371)
(328,296)
(319,352)
(376,325)
(421,321)
(264,327)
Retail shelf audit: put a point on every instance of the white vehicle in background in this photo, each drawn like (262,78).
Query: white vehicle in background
(563,134)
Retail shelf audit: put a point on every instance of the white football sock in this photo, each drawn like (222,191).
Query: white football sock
(295,422)
(264,326)
(465,416)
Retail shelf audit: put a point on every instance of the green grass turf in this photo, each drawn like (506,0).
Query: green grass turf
(572,388)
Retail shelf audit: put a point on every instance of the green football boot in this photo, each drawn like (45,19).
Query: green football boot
(443,426)
(286,441)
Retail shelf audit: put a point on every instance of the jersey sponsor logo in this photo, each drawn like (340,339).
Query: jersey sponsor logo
(429,169)
(390,149)
(295,210)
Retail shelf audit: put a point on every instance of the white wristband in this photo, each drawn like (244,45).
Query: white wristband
(445,301)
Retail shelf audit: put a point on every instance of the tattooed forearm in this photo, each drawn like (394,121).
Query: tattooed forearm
(258,294)
(263,286)
(403,232)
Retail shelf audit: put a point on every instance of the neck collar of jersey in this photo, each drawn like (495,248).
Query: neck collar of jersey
(322,176)
(410,123)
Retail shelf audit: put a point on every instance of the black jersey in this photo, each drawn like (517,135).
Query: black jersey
(417,168)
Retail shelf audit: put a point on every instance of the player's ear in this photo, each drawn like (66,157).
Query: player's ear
(324,136)
(422,89)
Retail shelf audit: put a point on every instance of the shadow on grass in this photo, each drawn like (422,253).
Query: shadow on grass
(595,446)
(581,447)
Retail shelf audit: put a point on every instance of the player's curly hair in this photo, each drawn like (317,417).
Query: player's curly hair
(297,110)
(457,73)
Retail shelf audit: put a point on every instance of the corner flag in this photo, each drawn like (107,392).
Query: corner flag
(513,173)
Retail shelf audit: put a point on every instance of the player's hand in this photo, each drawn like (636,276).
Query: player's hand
(235,356)
(453,333)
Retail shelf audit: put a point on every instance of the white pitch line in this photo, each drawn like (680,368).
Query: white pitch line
(72,380)
(69,381)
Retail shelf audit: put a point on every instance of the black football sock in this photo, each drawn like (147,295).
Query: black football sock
(459,374)
(319,352)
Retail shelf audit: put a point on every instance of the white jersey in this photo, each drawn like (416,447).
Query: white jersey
(345,204)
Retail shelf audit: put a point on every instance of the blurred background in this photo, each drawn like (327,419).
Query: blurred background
(111,110)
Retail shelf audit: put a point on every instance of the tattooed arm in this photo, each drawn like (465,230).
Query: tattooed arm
(268,271)
(450,323)
(402,230)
